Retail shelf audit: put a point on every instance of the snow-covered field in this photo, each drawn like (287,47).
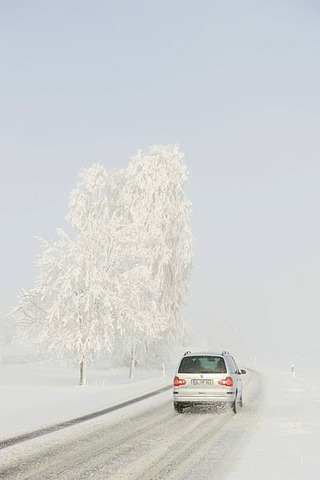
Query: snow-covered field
(283,444)
(286,445)
(33,395)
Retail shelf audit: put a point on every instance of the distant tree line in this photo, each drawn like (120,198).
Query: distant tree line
(118,284)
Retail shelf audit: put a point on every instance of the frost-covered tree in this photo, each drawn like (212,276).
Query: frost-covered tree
(155,201)
(70,309)
(137,319)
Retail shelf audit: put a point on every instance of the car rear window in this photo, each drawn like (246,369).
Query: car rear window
(202,364)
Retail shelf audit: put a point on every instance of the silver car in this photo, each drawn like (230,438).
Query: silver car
(206,379)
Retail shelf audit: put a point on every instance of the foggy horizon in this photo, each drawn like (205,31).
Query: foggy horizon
(236,86)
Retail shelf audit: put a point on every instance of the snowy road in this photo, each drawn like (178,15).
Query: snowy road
(149,441)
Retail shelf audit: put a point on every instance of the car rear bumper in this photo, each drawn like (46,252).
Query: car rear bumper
(227,397)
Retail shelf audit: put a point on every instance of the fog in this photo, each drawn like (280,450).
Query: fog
(235,84)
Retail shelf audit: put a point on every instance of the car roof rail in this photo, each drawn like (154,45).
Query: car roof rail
(186,353)
(225,352)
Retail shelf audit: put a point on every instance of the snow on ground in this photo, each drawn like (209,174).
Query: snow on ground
(286,444)
(36,395)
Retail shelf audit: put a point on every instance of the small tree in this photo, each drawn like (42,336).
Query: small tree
(70,309)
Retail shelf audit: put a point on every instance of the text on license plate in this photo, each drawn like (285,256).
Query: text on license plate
(201,381)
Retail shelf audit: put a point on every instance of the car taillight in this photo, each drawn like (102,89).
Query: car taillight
(228,382)
(178,381)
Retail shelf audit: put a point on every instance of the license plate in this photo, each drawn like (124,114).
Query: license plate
(201,381)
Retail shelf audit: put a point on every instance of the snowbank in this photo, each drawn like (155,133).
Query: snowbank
(286,443)
(36,395)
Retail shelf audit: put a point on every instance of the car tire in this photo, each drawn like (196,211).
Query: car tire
(241,401)
(235,405)
(178,407)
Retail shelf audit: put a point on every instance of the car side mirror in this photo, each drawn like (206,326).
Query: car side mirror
(242,371)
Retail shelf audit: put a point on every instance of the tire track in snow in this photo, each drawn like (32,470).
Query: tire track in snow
(9,442)
(216,436)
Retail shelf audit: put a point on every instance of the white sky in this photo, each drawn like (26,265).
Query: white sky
(236,84)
